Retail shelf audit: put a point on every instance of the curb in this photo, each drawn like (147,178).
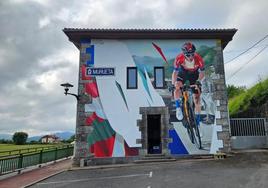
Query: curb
(44,178)
(134,164)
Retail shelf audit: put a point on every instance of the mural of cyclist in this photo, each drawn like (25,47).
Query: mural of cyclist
(188,65)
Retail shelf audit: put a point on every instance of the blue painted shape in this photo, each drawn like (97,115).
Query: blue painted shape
(90,51)
(122,93)
(85,41)
(176,147)
(144,82)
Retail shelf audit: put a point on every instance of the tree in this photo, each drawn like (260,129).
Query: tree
(19,138)
(233,91)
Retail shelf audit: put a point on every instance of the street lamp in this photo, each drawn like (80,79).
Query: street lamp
(66,89)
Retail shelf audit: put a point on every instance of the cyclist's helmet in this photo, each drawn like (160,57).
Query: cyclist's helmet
(188,49)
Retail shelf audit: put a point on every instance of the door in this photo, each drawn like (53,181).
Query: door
(154,134)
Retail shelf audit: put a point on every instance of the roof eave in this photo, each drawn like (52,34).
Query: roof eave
(76,35)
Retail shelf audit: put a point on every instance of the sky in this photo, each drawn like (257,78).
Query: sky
(36,56)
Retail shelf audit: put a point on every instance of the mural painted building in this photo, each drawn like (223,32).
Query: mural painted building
(151,91)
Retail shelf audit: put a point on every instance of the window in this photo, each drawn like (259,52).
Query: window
(132,79)
(159,77)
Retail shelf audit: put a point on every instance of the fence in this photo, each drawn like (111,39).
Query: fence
(247,126)
(28,150)
(17,162)
(248,133)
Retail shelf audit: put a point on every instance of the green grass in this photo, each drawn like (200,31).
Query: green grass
(251,98)
(4,148)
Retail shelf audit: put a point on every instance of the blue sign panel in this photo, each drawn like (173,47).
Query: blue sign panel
(100,71)
(90,53)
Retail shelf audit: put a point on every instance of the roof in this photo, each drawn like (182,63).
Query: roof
(76,35)
(50,136)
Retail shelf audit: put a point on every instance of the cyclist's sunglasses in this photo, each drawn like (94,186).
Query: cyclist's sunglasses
(189,55)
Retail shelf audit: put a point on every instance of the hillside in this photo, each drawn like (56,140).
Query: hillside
(251,103)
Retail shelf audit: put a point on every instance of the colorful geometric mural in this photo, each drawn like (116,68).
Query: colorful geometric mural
(115,109)
(103,140)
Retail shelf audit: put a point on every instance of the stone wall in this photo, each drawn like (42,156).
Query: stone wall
(220,95)
(165,127)
(82,131)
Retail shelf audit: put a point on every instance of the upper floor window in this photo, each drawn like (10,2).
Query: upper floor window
(132,78)
(159,77)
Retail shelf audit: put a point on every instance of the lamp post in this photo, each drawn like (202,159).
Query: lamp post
(66,89)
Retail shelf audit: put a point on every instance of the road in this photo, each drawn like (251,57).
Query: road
(243,170)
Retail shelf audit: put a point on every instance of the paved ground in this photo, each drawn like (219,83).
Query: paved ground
(26,178)
(243,170)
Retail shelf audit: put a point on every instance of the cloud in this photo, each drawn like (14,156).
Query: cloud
(43,22)
(36,56)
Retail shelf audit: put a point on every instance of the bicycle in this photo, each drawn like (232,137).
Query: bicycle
(188,107)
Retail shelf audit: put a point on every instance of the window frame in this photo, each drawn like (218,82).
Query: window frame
(164,83)
(136,81)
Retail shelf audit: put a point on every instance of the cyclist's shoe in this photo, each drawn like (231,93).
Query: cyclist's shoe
(179,114)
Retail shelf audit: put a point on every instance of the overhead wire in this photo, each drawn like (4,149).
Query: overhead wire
(247,49)
(243,66)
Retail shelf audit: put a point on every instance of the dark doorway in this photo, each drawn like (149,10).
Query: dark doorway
(154,134)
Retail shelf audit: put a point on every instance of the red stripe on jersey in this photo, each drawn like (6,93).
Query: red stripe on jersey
(180,61)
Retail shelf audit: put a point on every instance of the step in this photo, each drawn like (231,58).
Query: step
(154,160)
(155,155)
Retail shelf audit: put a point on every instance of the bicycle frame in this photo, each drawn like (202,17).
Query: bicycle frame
(189,115)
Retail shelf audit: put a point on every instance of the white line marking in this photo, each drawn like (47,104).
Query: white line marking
(86,179)
(151,174)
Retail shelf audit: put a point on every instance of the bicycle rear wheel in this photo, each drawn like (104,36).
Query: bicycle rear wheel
(195,129)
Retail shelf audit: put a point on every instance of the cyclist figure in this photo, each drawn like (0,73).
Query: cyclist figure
(188,65)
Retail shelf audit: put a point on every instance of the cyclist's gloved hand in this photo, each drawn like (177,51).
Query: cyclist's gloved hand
(171,88)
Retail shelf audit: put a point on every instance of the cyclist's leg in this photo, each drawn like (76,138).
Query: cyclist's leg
(196,96)
(177,95)
(197,109)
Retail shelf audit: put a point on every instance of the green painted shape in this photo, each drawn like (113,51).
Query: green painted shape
(122,93)
(101,131)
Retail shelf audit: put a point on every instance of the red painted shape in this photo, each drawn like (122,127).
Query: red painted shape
(130,151)
(91,118)
(160,52)
(92,89)
(104,148)
(84,76)
(91,148)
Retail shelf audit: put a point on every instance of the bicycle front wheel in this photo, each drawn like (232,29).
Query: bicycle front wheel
(195,129)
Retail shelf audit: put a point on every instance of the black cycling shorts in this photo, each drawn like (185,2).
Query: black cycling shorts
(192,76)
(184,75)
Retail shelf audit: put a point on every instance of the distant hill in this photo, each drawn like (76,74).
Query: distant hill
(6,136)
(62,135)
(208,54)
(251,103)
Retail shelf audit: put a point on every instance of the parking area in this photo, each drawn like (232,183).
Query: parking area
(242,170)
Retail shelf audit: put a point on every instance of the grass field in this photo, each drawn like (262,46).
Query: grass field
(5,149)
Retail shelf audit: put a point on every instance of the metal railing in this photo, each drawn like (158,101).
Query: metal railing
(248,126)
(18,162)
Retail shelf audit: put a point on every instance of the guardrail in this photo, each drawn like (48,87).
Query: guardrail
(18,162)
